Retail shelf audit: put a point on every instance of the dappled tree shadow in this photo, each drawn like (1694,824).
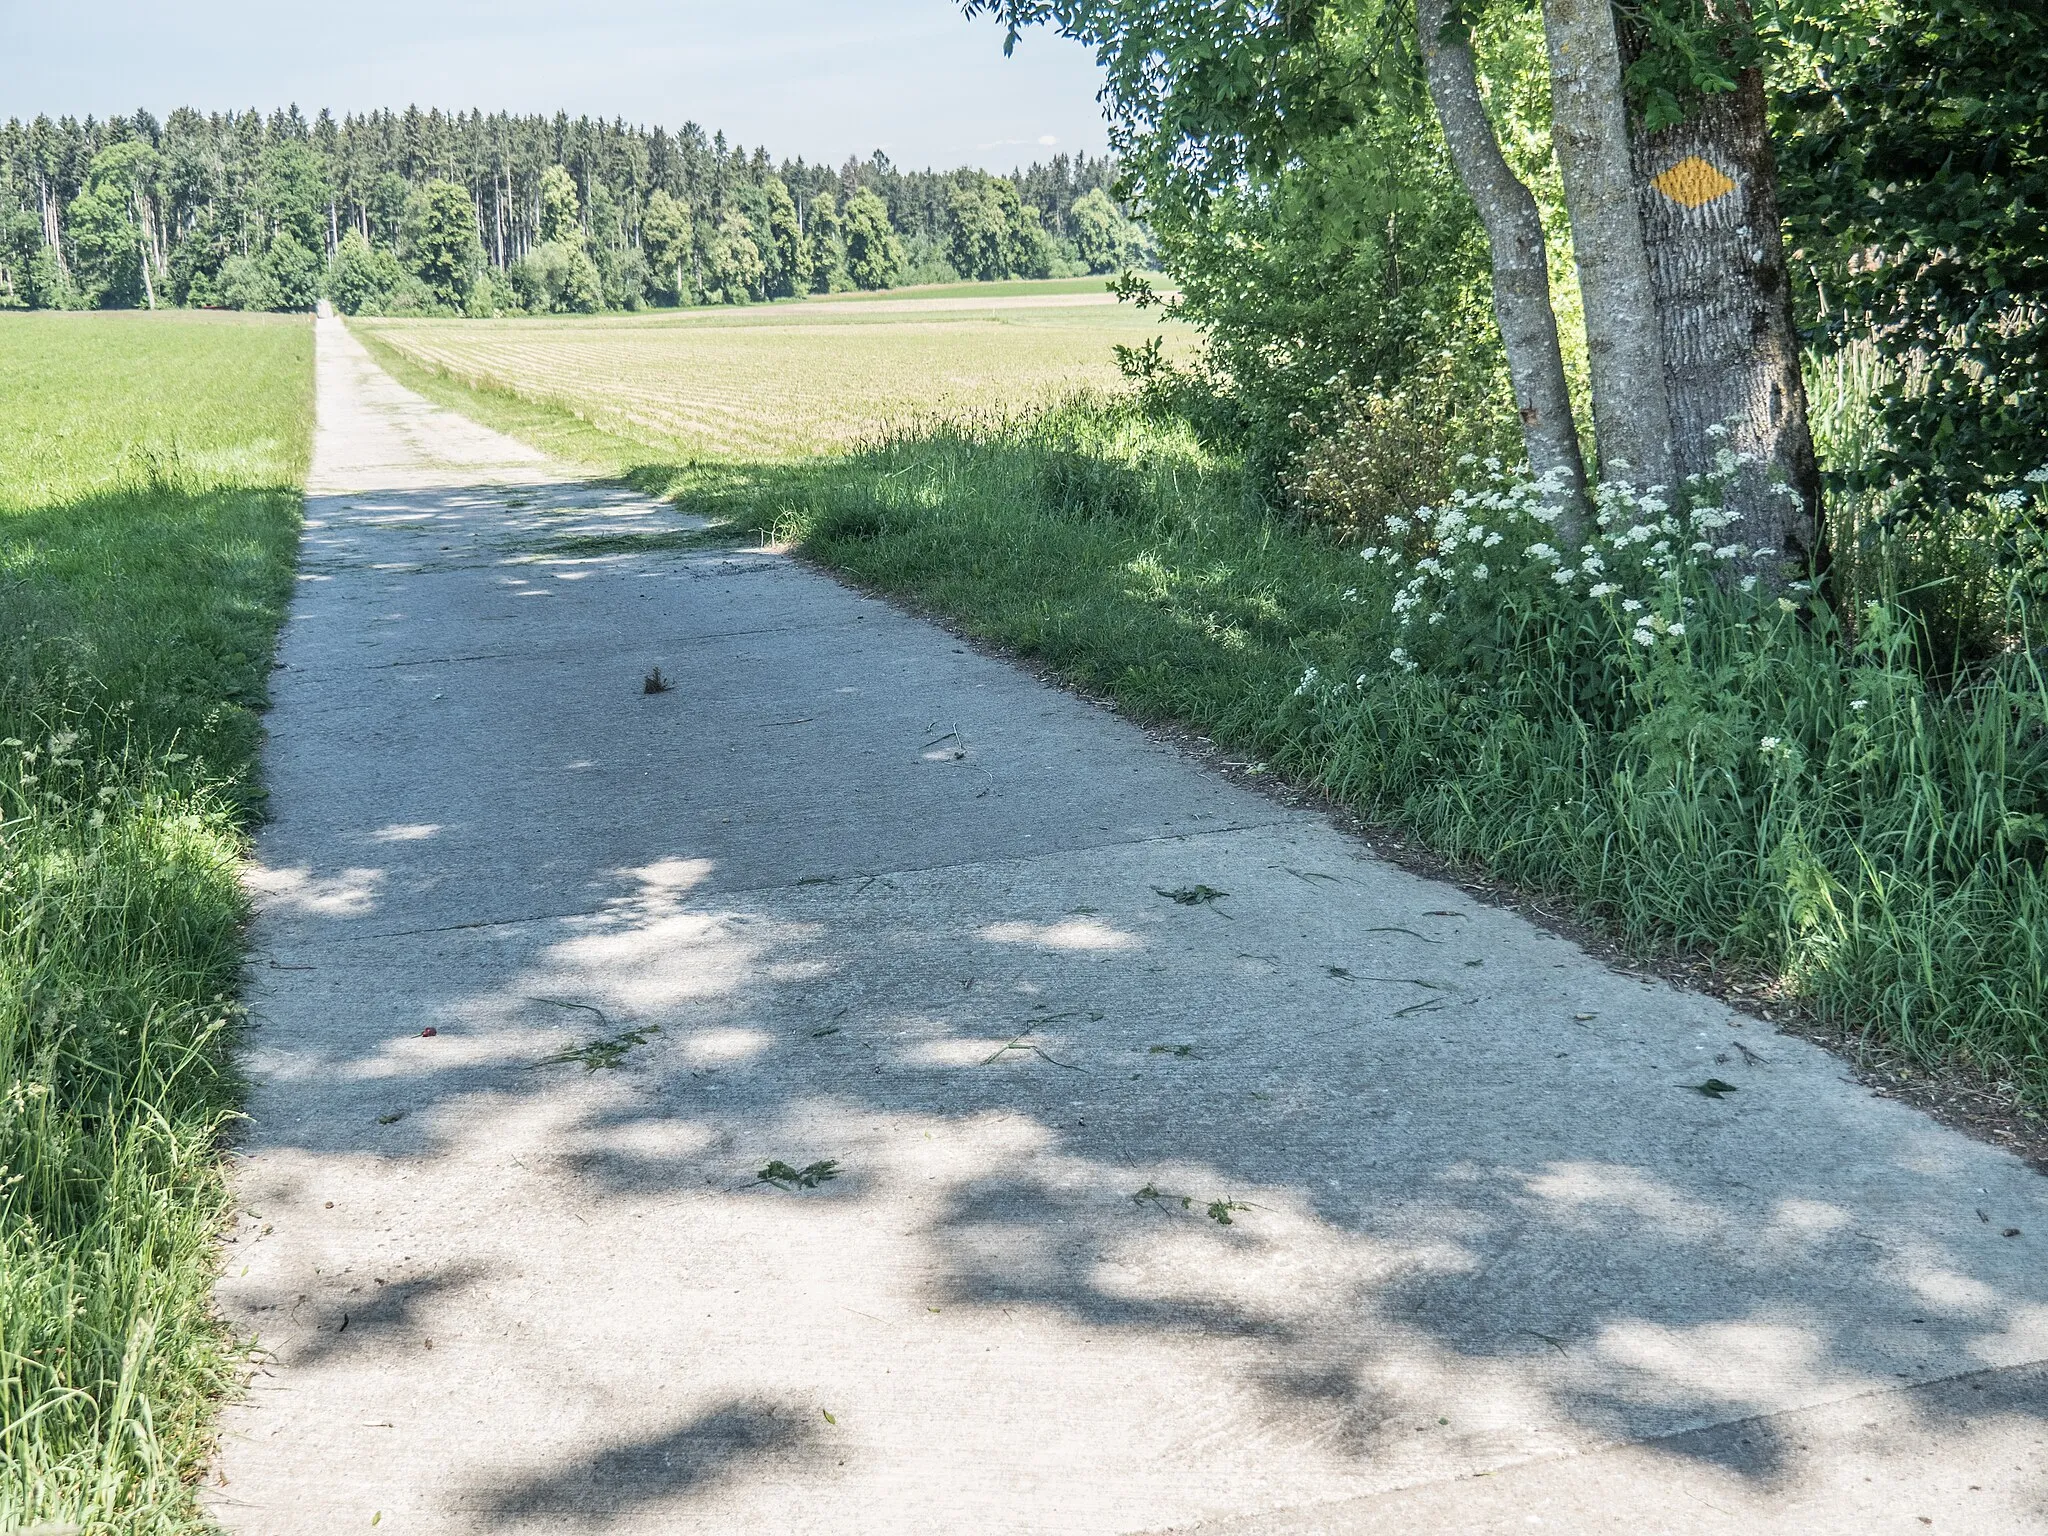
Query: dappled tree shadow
(1331,1159)
(617,1482)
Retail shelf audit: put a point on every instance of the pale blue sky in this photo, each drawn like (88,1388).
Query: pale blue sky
(806,77)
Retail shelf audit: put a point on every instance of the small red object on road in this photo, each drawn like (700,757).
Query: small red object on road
(429,1032)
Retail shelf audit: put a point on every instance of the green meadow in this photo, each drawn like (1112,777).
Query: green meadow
(150,473)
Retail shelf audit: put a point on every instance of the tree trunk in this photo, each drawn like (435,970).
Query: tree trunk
(1709,195)
(53,227)
(1521,268)
(1589,130)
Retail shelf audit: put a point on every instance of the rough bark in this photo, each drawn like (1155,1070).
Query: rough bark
(1521,268)
(1709,195)
(1589,129)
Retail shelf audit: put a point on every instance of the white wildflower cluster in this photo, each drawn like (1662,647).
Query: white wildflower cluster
(1639,556)
(2033,486)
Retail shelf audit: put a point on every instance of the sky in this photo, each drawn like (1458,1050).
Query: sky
(814,78)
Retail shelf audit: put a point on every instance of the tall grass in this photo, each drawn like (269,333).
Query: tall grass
(148,515)
(1837,806)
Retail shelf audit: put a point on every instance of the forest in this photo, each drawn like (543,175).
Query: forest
(466,213)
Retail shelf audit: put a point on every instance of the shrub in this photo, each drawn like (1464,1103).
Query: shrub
(246,283)
(362,278)
(294,271)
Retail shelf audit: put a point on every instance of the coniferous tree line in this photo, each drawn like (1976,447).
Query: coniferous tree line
(493,214)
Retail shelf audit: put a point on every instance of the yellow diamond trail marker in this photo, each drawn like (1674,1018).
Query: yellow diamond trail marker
(1693,182)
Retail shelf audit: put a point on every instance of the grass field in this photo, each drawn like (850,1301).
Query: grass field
(789,379)
(149,473)
(1878,862)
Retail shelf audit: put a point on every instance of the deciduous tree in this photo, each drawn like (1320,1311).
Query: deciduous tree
(873,254)
(561,221)
(439,242)
(666,231)
(792,257)
(827,242)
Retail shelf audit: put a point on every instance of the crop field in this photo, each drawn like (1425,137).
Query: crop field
(150,468)
(785,380)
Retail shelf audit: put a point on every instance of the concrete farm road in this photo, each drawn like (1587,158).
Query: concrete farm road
(1155,1159)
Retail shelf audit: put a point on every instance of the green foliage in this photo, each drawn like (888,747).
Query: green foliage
(294,272)
(622,277)
(227,185)
(29,275)
(1757,785)
(363,278)
(438,241)
(1294,175)
(148,520)
(492,297)
(874,256)
(197,261)
(1384,451)
(981,236)
(582,284)
(1107,241)
(733,270)
(827,243)
(292,193)
(108,240)
(246,284)
(667,234)
(1915,164)
(556,278)
(791,268)
(994,235)
(560,213)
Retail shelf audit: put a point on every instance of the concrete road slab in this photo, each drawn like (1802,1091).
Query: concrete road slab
(1173,1164)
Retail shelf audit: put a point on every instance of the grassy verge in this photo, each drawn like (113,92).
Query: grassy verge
(1753,787)
(549,425)
(149,505)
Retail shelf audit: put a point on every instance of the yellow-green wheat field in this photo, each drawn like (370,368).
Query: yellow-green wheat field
(784,380)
